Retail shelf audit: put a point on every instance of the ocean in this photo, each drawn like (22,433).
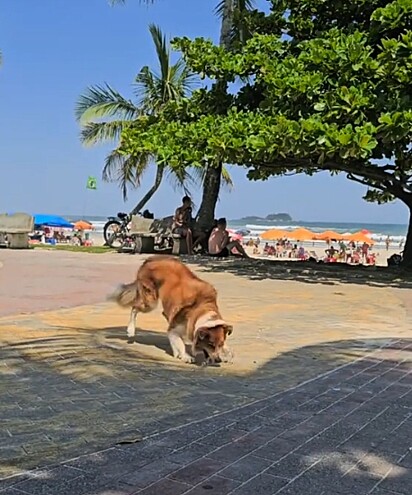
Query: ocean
(379,231)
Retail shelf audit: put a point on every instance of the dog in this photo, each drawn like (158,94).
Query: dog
(189,306)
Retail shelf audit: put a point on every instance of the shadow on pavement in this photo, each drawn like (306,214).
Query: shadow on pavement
(74,394)
(306,272)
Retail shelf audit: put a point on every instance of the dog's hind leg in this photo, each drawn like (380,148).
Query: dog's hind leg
(178,346)
(131,327)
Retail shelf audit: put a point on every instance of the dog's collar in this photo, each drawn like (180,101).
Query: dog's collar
(208,320)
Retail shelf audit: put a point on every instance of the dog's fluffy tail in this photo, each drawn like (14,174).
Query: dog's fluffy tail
(124,295)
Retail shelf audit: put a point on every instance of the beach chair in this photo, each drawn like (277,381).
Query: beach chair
(15,229)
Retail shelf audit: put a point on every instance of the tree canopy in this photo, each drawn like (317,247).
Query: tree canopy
(322,85)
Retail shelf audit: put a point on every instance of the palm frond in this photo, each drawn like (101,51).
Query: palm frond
(162,50)
(103,101)
(182,78)
(227,180)
(241,5)
(171,82)
(199,173)
(146,88)
(126,170)
(97,132)
(180,179)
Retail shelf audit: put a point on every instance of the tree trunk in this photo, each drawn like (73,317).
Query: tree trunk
(151,191)
(212,179)
(407,251)
(211,188)
(227,24)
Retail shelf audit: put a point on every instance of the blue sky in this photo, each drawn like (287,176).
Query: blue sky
(54,49)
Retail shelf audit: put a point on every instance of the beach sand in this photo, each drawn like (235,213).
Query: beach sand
(382,254)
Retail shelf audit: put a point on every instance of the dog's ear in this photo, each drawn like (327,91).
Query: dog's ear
(228,329)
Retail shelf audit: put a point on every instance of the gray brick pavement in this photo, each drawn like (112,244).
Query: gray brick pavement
(346,432)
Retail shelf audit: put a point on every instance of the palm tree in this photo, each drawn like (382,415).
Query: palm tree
(233,28)
(153,90)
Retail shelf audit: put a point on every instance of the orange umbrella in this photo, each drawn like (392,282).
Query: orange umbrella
(329,235)
(301,235)
(83,225)
(274,234)
(359,237)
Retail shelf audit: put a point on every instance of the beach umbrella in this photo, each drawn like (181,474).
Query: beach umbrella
(328,235)
(83,225)
(51,221)
(234,236)
(274,234)
(359,237)
(301,234)
(366,231)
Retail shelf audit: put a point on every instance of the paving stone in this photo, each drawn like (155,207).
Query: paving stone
(10,481)
(165,487)
(379,491)
(398,441)
(190,453)
(406,460)
(112,462)
(79,485)
(290,466)
(149,473)
(245,468)
(263,484)
(251,423)
(369,470)
(399,480)
(223,436)
(302,433)
(275,450)
(197,471)
(216,485)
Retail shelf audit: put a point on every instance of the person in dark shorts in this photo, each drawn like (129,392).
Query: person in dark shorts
(182,222)
(220,245)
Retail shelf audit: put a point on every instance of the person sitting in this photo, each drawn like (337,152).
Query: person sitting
(148,214)
(182,221)
(219,243)
(301,253)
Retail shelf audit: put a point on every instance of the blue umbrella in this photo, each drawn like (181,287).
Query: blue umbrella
(51,221)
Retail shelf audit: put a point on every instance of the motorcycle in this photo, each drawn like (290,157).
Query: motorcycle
(395,260)
(116,230)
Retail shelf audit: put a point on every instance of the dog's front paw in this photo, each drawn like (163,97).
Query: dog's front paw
(130,333)
(187,358)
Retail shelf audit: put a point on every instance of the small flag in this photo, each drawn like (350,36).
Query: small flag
(91,182)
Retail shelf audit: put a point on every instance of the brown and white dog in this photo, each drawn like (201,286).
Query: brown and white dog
(189,306)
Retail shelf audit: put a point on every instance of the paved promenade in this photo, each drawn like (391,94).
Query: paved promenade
(319,399)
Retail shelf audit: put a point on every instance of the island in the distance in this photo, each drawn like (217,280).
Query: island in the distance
(273,217)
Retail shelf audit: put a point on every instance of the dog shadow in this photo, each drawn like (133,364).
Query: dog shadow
(144,337)
(149,338)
